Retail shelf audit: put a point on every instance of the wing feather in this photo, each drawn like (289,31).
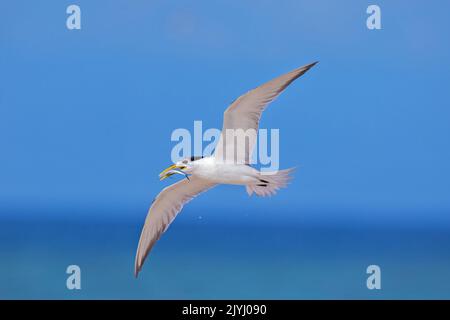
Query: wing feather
(163,211)
(245,112)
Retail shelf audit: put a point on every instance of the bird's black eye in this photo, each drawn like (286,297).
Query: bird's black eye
(195,158)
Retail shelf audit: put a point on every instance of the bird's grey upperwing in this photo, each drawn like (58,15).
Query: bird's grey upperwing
(245,112)
(163,211)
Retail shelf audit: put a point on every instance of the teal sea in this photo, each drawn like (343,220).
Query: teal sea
(199,258)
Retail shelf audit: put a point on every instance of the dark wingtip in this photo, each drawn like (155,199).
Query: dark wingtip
(137,269)
(302,70)
(309,66)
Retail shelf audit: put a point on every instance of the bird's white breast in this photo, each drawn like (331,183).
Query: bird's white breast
(219,172)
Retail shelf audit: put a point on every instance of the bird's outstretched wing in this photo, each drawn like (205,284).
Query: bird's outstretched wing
(163,211)
(245,112)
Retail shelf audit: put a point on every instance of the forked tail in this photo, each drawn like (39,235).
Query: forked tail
(268,184)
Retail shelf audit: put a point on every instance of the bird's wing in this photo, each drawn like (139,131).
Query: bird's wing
(244,113)
(163,211)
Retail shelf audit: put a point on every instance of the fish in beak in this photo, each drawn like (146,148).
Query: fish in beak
(173,169)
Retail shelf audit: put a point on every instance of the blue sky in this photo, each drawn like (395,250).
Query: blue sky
(86,115)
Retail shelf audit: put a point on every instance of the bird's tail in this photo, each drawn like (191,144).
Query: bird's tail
(268,184)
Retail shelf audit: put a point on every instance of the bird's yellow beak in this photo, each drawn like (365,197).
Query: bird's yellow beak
(165,173)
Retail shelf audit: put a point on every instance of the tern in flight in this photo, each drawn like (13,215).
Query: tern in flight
(228,165)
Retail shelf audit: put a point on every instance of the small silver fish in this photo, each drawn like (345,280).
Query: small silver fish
(176,171)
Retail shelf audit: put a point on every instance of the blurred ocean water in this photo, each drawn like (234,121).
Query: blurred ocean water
(209,259)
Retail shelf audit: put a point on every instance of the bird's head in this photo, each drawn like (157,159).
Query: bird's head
(183,167)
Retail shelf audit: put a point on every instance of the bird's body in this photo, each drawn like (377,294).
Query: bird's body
(210,169)
(228,165)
